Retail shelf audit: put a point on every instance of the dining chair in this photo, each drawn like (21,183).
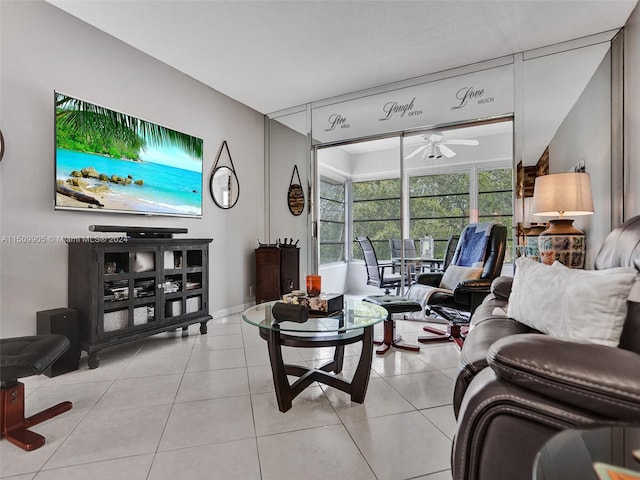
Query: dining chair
(450,250)
(396,248)
(378,275)
(409,253)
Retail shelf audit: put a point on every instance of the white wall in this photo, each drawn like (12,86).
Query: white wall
(288,148)
(42,49)
(334,277)
(632,113)
(585,135)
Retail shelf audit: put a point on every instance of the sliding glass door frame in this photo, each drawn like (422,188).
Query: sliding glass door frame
(405,178)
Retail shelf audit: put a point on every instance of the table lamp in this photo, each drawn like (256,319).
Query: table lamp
(562,194)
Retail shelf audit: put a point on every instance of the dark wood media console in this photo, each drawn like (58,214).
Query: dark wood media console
(129,288)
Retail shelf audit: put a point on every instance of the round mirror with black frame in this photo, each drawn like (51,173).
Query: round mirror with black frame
(224,186)
(1,145)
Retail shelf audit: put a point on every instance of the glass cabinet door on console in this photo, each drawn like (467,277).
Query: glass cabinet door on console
(183,282)
(133,288)
(128,293)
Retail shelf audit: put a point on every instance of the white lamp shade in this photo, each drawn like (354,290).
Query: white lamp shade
(562,194)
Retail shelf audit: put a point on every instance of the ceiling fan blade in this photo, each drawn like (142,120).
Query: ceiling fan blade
(446,151)
(415,152)
(460,142)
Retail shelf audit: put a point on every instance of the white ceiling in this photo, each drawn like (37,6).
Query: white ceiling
(272,55)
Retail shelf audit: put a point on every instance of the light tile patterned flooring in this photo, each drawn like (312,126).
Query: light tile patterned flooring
(203,407)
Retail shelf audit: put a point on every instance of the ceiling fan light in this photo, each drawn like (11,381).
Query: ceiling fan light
(435,146)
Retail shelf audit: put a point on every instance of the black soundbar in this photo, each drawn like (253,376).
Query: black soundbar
(139,232)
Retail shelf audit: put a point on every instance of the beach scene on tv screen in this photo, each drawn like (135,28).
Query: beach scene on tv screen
(107,160)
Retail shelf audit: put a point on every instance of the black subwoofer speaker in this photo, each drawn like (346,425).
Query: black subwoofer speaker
(63,321)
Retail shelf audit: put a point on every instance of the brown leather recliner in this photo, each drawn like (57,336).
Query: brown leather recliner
(517,387)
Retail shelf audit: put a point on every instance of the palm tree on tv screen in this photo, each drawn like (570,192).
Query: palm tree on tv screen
(97,129)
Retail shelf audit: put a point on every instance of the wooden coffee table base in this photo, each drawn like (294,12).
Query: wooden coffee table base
(285,393)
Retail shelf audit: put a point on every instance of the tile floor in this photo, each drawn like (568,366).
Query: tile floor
(203,406)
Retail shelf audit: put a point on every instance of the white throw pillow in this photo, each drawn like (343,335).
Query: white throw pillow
(454,274)
(579,305)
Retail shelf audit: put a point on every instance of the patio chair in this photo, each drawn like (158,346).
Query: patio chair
(409,253)
(378,275)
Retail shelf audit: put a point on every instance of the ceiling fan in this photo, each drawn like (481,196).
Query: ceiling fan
(435,145)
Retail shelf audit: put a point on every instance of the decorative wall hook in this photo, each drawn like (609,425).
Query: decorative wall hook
(295,195)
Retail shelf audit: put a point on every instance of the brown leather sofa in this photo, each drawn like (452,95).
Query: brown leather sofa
(517,387)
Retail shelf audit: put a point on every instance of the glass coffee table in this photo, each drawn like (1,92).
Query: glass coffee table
(354,324)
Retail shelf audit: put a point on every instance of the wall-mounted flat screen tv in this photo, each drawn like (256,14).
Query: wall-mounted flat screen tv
(112,162)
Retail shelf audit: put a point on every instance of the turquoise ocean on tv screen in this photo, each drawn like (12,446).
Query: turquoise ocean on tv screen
(166,189)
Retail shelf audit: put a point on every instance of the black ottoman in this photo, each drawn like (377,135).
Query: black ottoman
(393,304)
(22,357)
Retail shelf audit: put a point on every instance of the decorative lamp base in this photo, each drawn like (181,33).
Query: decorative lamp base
(562,242)
(531,248)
